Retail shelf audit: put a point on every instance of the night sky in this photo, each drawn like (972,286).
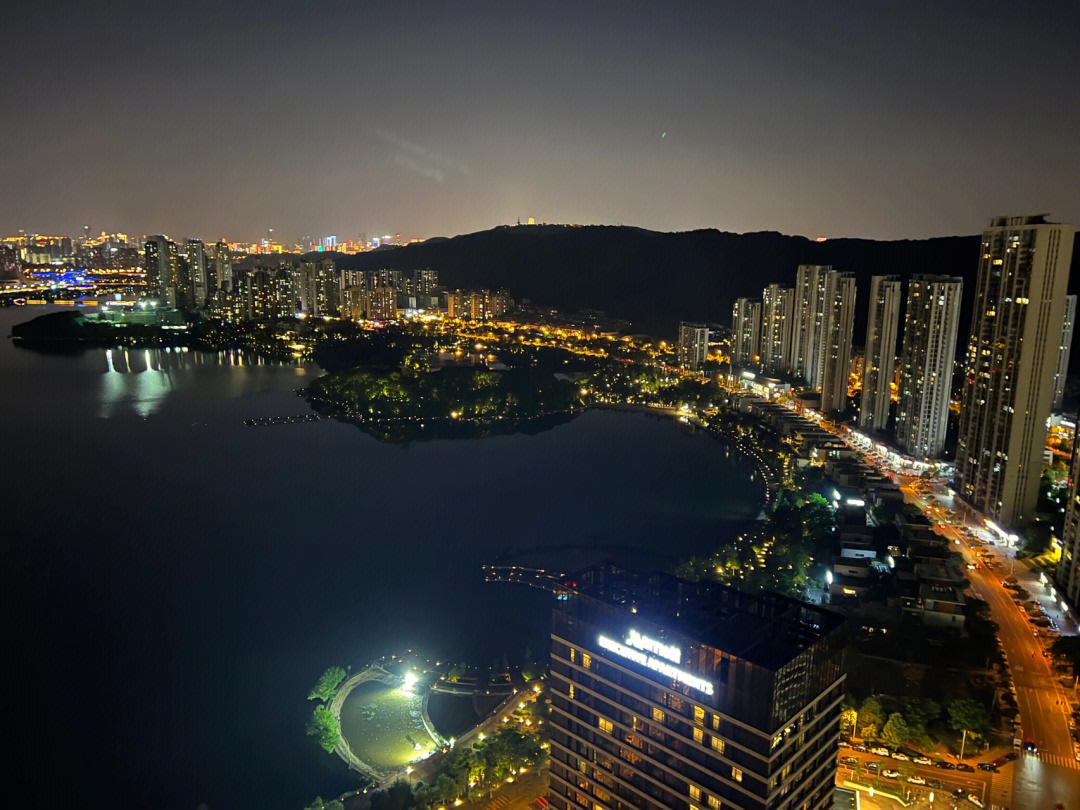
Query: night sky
(224,119)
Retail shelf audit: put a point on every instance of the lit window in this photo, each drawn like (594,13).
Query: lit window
(736,774)
(716,721)
(605,725)
(573,655)
(657,715)
(571,691)
(718,745)
(699,735)
(714,803)
(699,714)
(695,792)
(586,660)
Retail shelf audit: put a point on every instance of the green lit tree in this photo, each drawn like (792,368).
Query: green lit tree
(324,728)
(895,733)
(327,685)
(970,717)
(871,719)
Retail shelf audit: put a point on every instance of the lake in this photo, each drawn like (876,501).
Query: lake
(176,580)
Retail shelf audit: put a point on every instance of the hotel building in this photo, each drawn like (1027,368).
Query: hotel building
(673,694)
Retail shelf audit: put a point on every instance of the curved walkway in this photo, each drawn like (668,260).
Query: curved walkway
(370,673)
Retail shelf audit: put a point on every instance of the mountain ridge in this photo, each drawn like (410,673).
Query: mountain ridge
(657,278)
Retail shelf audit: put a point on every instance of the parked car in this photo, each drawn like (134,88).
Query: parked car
(936,784)
(974,800)
(921,760)
(890,774)
(948,766)
(850,761)
(873,767)
(987,766)
(862,749)
(900,755)
(1009,757)
(845,744)
(916,780)
(879,751)
(963,766)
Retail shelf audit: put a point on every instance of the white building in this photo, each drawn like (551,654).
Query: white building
(882,325)
(693,344)
(1012,356)
(926,363)
(777,317)
(1064,350)
(839,321)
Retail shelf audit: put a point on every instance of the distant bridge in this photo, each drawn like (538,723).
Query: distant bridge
(534,577)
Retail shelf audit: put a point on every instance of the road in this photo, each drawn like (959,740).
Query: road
(1044,710)
(990,788)
(1052,775)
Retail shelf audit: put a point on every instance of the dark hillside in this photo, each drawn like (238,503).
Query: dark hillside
(657,279)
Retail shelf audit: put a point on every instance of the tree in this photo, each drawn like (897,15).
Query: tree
(847,721)
(399,796)
(324,728)
(896,731)
(327,685)
(969,717)
(871,719)
(319,804)
(1069,647)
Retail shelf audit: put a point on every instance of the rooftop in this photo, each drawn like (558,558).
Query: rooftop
(764,628)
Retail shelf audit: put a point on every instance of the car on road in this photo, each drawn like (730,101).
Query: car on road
(888,773)
(948,766)
(988,766)
(879,751)
(900,755)
(1030,747)
(921,760)
(963,766)
(916,780)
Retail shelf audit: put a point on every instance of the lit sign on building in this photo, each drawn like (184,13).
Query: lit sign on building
(670,652)
(652,661)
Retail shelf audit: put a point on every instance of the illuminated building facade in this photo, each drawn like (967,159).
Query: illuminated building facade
(882,324)
(199,279)
(809,323)
(1012,354)
(672,694)
(693,344)
(926,363)
(162,264)
(1064,351)
(745,332)
(1068,572)
(835,356)
(777,317)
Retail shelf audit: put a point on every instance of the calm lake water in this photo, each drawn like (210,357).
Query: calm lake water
(176,581)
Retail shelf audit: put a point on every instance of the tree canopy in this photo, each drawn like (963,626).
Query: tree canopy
(324,728)
(327,685)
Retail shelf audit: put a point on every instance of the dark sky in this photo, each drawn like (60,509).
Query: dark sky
(223,119)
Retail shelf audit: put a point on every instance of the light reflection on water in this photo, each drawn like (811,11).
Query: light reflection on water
(142,380)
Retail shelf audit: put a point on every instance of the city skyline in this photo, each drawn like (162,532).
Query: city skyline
(445,121)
